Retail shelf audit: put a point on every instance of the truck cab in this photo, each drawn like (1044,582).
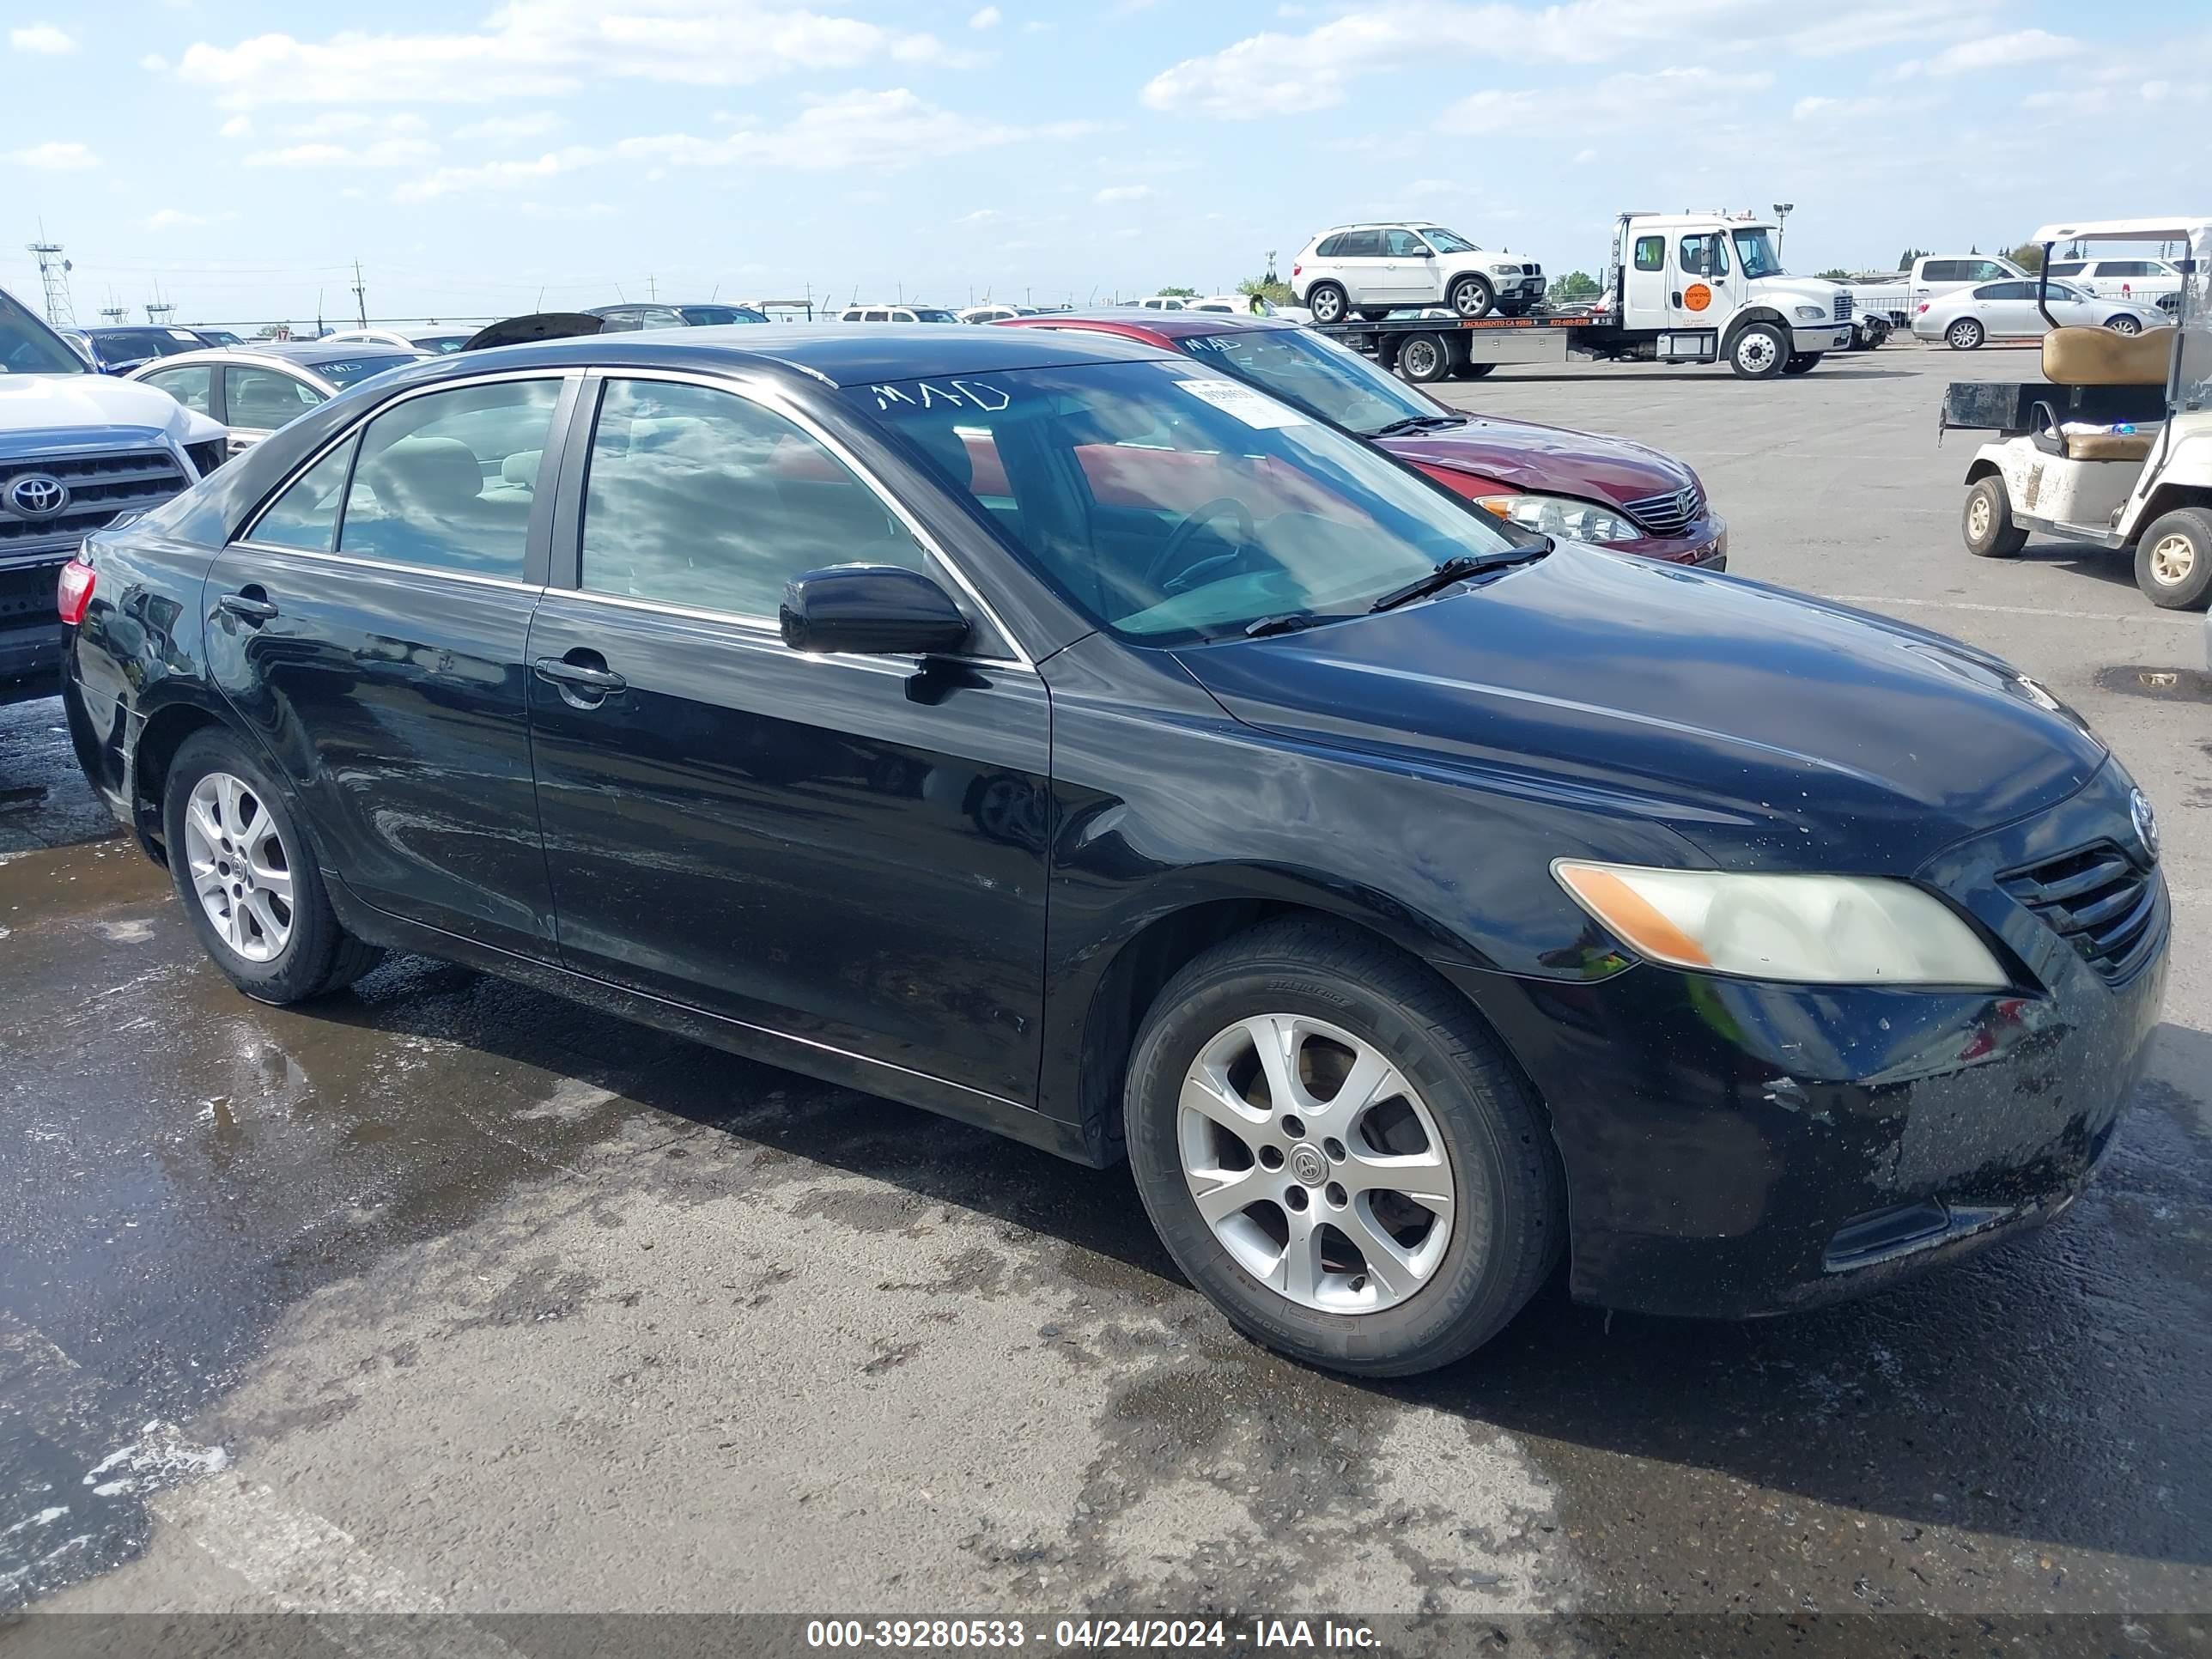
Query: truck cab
(1707,288)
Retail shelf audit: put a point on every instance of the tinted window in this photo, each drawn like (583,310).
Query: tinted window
(2005,291)
(698,498)
(2127,268)
(446,480)
(1329,248)
(307,514)
(1948,271)
(1447,241)
(1651,252)
(714,316)
(876,317)
(620,321)
(928,315)
(1361,244)
(2070,268)
(193,386)
(262,399)
(1403,245)
(1317,374)
(28,346)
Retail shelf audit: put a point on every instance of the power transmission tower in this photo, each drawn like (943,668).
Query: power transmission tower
(159,312)
(53,277)
(360,297)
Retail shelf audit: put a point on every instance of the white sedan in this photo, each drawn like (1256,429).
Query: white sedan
(1966,317)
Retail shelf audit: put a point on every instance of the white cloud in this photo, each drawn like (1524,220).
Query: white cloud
(540,48)
(877,130)
(507,129)
(1114,193)
(378,153)
(989,18)
(980,216)
(1616,101)
(237,127)
(1835,110)
(43,38)
(53,157)
(1992,52)
(1495,112)
(178,219)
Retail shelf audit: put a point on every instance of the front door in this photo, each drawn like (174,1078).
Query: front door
(1410,270)
(372,626)
(1698,297)
(846,849)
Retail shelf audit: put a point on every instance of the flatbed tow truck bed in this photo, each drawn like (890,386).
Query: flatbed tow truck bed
(1425,349)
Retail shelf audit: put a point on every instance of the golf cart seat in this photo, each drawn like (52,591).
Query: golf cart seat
(2098,356)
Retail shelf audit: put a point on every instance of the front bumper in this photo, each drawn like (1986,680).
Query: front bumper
(1734,1148)
(1703,543)
(30,661)
(1821,337)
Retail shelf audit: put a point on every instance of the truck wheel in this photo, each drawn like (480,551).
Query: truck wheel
(1336,1150)
(1327,302)
(1801,363)
(1759,352)
(1965,335)
(1422,358)
(1987,526)
(2173,560)
(2122,325)
(1471,296)
(1471,371)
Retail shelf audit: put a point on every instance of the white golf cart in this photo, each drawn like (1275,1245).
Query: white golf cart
(2113,447)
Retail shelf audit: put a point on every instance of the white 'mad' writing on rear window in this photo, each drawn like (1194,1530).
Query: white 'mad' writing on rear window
(951,394)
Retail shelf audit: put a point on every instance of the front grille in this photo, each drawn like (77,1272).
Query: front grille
(2100,902)
(1842,308)
(26,597)
(99,487)
(1669,514)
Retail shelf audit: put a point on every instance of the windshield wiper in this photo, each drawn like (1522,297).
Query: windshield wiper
(1417,423)
(1289,622)
(1457,568)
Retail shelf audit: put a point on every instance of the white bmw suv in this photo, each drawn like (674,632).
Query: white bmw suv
(1374,269)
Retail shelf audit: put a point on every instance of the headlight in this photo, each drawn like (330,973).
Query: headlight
(1505,271)
(1559,515)
(1813,930)
(1811,314)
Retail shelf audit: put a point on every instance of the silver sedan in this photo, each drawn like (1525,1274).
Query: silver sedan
(1966,317)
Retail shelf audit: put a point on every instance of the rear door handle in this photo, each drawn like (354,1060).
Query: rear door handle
(247,606)
(561,672)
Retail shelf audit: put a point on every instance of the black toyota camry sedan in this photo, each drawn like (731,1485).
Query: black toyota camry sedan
(1055,735)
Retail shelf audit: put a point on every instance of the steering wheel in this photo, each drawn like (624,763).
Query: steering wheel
(1179,539)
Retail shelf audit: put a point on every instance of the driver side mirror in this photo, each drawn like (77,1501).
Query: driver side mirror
(877,609)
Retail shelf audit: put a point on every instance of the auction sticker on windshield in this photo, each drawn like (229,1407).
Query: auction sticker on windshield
(1254,408)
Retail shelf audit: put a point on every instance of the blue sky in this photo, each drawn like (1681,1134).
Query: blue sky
(243,155)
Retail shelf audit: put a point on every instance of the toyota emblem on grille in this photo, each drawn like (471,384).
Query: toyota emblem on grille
(2146,822)
(37,495)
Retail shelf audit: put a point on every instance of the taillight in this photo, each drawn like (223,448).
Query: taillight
(73,594)
(1296,267)
(1923,305)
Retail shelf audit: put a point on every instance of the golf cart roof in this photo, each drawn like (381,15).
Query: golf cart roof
(2125,230)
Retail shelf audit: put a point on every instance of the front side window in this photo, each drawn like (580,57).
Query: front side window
(263,399)
(28,346)
(1754,253)
(1173,506)
(699,498)
(1403,245)
(1697,251)
(1449,241)
(1982,271)
(192,385)
(446,480)
(1651,252)
(307,514)
(1318,375)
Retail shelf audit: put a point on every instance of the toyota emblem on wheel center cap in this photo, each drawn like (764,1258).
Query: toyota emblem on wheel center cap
(2146,822)
(1307,1165)
(38,495)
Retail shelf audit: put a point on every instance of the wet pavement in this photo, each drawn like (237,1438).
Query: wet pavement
(448,1295)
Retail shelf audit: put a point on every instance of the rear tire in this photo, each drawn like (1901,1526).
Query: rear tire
(1987,522)
(1801,362)
(1423,358)
(1965,335)
(1472,297)
(1471,371)
(246,873)
(1759,352)
(1371,315)
(2174,559)
(1329,302)
(2123,325)
(1454,1092)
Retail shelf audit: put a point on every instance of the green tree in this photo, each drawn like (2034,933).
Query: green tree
(1836,274)
(1905,259)
(1178,293)
(1575,285)
(1273,289)
(2029,256)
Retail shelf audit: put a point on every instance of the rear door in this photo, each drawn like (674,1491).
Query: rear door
(257,401)
(846,849)
(1648,282)
(2008,309)
(1360,267)
(371,627)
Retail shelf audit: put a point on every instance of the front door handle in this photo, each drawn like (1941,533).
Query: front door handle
(249,606)
(1676,296)
(585,676)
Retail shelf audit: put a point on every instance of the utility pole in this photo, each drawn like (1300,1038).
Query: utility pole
(651,288)
(116,315)
(54,278)
(360,297)
(1781,212)
(158,310)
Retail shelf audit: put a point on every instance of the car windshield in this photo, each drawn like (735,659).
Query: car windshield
(714,316)
(925,314)
(1318,375)
(1754,251)
(1449,241)
(441,343)
(28,346)
(342,372)
(1173,506)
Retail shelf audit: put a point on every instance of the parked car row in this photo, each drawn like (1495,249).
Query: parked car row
(1966,318)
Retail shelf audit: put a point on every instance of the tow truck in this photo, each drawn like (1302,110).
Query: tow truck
(1681,288)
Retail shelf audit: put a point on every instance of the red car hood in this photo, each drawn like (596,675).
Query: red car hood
(1546,458)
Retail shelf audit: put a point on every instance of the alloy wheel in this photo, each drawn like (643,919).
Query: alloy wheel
(240,867)
(1316,1163)
(2172,560)
(2124,325)
(1978,517)
(1755,352)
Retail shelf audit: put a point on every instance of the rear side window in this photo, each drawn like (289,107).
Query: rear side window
(701,499)
(307,514)
(1329,248)
(1651,252)
(1946,271)
(261,399)
(2126,267)
(446,481)
(192,385)
(2071,268)
(1360,245)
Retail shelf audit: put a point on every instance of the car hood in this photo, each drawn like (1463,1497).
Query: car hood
(84,407)
(1787,289)
(1768,728)
(1547,457)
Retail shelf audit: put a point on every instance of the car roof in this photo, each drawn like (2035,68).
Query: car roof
(842,356)
(1163,325)
(296,354)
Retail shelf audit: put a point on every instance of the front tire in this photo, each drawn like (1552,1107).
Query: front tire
(1987,523)
(1472,297)
(2174,559)
(1336,1152)
(1965,335)
(1801,362)
(1423,358)
(245,874)
(1759,352)
(2122,325)
(1329,302)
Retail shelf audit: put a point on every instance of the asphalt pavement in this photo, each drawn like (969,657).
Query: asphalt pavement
(447,1296)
